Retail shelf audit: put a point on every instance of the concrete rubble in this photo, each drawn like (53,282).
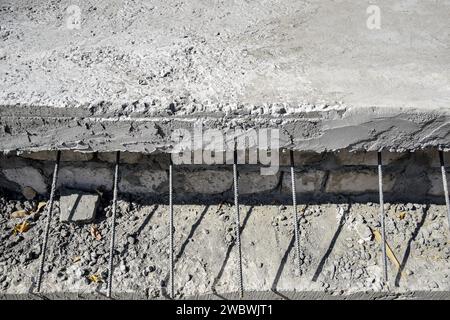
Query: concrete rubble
(78,207)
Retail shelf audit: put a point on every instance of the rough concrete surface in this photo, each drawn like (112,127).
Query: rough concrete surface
(137,70)
(340,257)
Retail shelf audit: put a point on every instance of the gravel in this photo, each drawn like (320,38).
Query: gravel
(345,266)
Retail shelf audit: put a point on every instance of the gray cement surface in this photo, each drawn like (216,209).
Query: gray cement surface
(136,71)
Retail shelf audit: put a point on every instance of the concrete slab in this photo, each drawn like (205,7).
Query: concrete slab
(323,71)
(78,207)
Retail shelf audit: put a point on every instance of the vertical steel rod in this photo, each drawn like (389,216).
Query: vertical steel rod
(171,230)
(238,225)
(383,229)
(295,216)
(444,181)
(113,226)
(49,219)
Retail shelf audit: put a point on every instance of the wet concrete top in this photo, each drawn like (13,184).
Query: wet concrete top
(328,59)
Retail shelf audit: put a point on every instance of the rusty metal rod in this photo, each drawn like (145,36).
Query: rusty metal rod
(171,226)
(49,219)
(382,215)
(295,216)
(113,225)
(445,183)
(238,225)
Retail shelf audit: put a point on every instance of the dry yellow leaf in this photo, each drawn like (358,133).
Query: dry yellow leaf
(95,278)
(402,215)
(40,206)
(24,213)
(19,214)
(76,259)
(389,251)
(95,233)
(21,227)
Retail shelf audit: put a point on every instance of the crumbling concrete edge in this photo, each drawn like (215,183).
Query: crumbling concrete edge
(353,129)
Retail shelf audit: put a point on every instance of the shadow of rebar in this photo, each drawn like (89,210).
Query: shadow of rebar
(408,247)
(227,256)
(273,288)
(145,222)
(74,208)
(281,268)
(332,244)
(182,248)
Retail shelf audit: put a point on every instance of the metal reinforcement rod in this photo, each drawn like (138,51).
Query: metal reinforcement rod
(49,219)
(113,226)
(171,231)
(238,224)
(382,215)
(295,216)
(445,183)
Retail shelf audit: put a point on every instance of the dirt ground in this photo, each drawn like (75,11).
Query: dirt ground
(340,255)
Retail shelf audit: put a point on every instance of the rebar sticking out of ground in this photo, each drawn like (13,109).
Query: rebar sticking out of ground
(49,218)
(383,228)
(238,225)
(445,183)
(171,230)
(113,226)
(295,216)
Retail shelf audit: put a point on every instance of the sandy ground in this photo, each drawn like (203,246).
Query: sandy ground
(340,256)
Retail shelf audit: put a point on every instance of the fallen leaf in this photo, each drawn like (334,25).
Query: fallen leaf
(402,215)
(95,278)
(40,206)
(76,259)
(389,251)
(95,233)
(24,213)
(21,227)
(19,214)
